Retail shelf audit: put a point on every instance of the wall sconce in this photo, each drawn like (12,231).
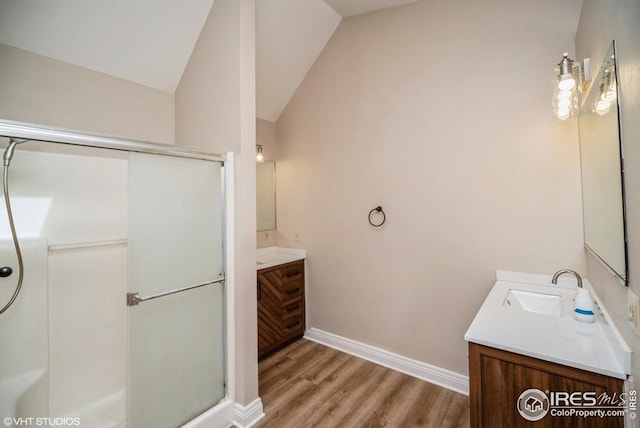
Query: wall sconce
(567,86)
(259,156)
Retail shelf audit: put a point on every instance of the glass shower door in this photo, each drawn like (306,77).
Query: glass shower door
(176,295)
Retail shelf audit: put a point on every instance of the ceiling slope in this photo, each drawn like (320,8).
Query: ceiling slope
(357,7)
(145,41)
(290,34)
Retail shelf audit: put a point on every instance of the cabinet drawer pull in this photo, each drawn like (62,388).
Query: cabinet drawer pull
(293,324)
(292,272)
(292,307)
(290,292)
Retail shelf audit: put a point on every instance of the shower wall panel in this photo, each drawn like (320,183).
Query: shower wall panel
(24,362)
(88,322)
(67,329)
(67,198)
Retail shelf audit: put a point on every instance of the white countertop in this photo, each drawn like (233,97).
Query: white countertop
(596,347)
(274,256)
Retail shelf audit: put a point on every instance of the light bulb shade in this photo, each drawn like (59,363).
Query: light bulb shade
(611,95)
(259,155)
(602,107)
(567,82)
(566,88)
(564,103)
(564,95)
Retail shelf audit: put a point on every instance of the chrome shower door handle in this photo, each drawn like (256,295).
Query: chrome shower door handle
(134,299)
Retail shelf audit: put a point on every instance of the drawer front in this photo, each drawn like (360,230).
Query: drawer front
(284,283)
(291,272)
(292,310)
(291,290)
(293,326)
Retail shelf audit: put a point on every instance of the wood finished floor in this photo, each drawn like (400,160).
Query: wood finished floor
(311,385)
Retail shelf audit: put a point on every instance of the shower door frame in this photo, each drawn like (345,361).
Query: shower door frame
(223,411)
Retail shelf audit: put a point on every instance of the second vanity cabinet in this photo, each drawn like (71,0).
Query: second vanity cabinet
(281,307)
(497,378)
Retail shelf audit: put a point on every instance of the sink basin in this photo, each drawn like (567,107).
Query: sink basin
(539,303)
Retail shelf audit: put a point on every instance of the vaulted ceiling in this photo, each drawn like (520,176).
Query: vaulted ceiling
(150,41)
(290,34)
(145,41)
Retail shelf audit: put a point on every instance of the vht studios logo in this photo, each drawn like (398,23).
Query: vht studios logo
(534,404)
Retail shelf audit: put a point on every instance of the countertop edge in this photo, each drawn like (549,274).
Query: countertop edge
(281,255)
(620,347)
(284,250)
(618,375)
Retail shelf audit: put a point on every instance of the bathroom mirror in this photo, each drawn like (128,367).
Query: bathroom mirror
(266,195)
(601,166)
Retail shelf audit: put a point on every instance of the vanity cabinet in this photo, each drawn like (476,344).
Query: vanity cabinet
(281,307)
(497,378)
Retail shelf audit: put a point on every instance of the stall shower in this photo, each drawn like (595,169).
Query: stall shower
(89,223)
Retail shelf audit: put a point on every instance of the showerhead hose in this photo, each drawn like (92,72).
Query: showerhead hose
(8,155)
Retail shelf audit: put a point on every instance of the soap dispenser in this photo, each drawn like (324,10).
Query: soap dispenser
(583,306)
(583,303)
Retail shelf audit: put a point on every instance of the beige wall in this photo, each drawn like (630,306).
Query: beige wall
(600,23)
(266,239)
(44,91)
(266,136)
(207,102)
(439,111)
(215,111)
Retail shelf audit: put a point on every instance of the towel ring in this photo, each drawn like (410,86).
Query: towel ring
(379,210)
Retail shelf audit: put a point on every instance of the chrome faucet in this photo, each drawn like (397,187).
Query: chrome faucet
(554,280)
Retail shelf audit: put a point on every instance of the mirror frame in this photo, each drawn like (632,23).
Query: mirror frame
(624,278)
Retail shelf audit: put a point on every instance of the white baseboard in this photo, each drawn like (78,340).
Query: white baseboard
(432,374)
(247,416)
(216,417)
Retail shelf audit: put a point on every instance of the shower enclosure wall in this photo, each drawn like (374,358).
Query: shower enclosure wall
(121,317)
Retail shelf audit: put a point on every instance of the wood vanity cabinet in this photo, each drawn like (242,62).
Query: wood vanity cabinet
(281,309)
(497,378)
